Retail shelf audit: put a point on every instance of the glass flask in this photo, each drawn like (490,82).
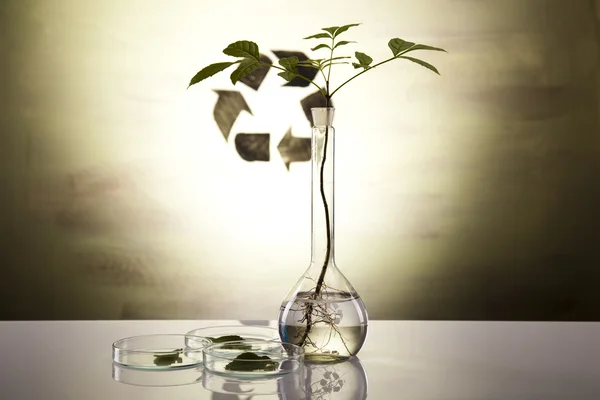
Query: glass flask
(323,313)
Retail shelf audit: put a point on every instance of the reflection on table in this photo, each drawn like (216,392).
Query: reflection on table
(341,381)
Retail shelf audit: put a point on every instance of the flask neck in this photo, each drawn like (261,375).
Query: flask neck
(322,188)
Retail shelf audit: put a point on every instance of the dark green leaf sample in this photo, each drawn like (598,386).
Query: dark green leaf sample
(232,346)
(251,362)
(223,339)
(163,360)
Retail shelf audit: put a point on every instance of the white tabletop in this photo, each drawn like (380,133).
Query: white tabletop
(400,360)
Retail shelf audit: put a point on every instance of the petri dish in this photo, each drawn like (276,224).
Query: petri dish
(235,332)
(157,378)
(159,352)
(253,358)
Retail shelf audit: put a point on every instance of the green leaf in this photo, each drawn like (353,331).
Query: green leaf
(321,46)
(230,338)
(421,62)
(209,71)
(343,29)
(223,339)
(165,359)
(243,48)
(248,362)
(341,43)
(319,36)
(289,63)
(425,47)
(363,60)
(246,67)
(291,68)
(398,45)
(331,30)
(288,75)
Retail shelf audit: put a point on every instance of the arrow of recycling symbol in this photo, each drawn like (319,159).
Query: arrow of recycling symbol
(229,106)
(293,149)
(255,146)
(231,103)
(297,149)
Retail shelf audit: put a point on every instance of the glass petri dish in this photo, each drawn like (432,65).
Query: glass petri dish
(235,332)
(157,378)
(253,358)
(159,352)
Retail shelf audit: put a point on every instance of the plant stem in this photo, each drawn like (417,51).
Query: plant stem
(321,280)
(299,76)
(322,183)
(327,216)
(329,69)
(363,71)
(324,77)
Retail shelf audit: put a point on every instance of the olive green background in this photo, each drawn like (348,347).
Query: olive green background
(470,195)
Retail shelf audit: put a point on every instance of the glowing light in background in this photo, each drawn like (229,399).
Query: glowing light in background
(154,214)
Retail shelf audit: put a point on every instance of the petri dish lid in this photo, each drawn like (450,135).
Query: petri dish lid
(159,352)
(252,358)
(236,332)
(157,378)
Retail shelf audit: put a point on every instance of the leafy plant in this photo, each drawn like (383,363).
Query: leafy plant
(249,60)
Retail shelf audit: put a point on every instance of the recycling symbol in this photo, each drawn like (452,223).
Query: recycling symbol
(253,146)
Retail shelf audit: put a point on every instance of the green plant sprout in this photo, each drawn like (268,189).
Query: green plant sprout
(249,60)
